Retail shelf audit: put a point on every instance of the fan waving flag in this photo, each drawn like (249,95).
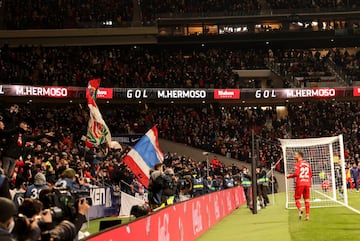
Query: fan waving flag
(144,155)
(98,132)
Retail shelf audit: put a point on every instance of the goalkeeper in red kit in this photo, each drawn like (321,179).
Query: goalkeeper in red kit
(303,175)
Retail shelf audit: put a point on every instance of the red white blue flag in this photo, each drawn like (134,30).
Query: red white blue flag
(98,132)
(144,155)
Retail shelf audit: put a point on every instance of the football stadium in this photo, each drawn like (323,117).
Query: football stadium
(179,120)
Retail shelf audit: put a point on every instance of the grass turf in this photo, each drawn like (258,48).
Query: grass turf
(94,225)
(277,223)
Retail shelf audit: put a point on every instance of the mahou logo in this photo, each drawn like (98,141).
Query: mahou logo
(104,93)
(356,91)
(232,94)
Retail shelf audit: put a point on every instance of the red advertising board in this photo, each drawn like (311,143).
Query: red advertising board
(229,94)
(180,222)
(356,91)
(104,93)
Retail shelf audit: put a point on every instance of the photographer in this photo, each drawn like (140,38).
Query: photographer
(27,221)
(33,223)
(169,192)
(7,211)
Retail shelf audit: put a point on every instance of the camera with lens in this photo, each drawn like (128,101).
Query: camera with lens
(184,185)
(140,210)
(64,231)
(63,203)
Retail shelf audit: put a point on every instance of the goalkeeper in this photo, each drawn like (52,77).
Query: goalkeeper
(303,175)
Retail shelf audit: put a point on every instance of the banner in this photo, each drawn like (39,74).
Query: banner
(127,139)
(105,203)
(127,202)
(184,221)
(144,155)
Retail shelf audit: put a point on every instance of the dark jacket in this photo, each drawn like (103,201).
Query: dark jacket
(12,149)
(5,235)
(4,187)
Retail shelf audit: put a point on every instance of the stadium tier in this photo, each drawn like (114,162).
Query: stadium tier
(208,74)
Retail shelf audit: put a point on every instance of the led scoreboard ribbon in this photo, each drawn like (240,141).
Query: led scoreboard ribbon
(136,94)
(251,94)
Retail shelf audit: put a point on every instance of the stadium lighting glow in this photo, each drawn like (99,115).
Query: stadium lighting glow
(108,23)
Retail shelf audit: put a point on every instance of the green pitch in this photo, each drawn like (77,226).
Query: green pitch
(94,225)
(275,223)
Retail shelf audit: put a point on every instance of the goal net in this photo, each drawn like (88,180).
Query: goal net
(326,157)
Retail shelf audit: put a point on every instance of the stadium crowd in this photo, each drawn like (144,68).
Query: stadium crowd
(317,4)
(48,151)
(86,13)
(348,63)
(127,66)
(152,9)
(66,14)
(301,62)
(223,130)
(144,67)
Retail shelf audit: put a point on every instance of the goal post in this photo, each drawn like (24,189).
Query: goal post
(326,157)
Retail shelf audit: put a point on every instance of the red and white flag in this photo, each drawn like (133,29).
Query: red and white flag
(98,132)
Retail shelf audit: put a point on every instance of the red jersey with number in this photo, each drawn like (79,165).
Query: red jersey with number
(302,173)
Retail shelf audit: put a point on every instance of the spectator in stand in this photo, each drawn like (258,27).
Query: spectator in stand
(216,165)
(18,193)
(69,180)
(15,146)
(229,181)
(33,190)
(4,185)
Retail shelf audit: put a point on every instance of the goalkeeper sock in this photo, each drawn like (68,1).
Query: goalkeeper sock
(298,204)
(307,207)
